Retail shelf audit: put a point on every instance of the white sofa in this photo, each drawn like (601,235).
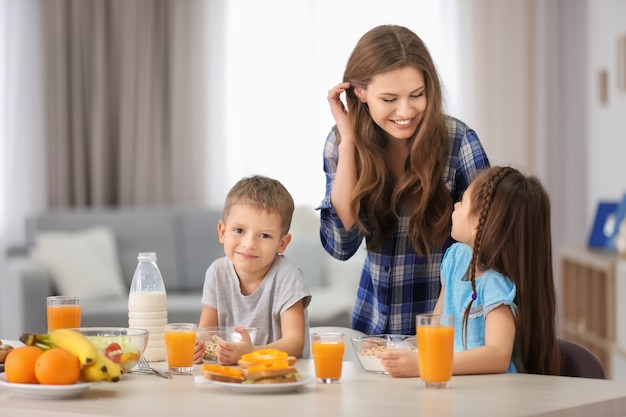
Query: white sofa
(185,241)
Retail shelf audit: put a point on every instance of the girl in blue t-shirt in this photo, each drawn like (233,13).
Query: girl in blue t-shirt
(497,281)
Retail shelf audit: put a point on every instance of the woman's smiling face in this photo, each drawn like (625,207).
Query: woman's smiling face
(396,100)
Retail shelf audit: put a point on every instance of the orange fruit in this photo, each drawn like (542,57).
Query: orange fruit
(19,365)
(57,366)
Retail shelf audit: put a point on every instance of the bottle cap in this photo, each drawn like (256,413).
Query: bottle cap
(147,256)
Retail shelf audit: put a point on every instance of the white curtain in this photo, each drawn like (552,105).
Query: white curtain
(22,181)
(275,63)
(22,128)
(120,83)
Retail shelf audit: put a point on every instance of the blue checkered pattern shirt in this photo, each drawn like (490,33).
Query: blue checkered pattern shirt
(396,283)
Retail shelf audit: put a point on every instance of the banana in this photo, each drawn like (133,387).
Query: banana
(114,371)
(103,369)
(76,343)
(95,372)
(30,339)
(71,340)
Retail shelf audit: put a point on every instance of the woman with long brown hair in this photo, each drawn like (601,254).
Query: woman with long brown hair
(394,164)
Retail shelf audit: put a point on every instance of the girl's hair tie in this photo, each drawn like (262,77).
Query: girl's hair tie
(474,296)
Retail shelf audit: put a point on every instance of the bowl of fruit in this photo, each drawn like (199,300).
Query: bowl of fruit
(122,345)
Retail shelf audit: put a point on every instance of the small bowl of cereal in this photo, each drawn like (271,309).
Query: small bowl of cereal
(366,348)
(209,336)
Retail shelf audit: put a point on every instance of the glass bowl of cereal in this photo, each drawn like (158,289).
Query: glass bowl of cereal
(209,336)
(366,348)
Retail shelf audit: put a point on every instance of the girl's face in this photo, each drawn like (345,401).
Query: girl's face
(251,239)
(463,222)
(396,101)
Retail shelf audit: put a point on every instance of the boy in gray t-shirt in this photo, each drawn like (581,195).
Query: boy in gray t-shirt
(254,285)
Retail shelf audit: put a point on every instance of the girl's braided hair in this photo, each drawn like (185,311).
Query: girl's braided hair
(481,202)
(513,237)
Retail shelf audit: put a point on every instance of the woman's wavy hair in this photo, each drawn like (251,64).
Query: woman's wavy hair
(383,49)
(513,237)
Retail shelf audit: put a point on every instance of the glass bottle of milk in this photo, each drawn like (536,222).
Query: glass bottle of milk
(147,305)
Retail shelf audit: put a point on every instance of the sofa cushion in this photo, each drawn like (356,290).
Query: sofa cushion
(137,230)
(305,248)
(83,263)
(198,245)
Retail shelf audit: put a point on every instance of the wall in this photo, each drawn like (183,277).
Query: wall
(606,135)
(606,123)
(522,62)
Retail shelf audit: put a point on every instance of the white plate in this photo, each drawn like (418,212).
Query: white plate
(266,388)
(45,392)
(14,343)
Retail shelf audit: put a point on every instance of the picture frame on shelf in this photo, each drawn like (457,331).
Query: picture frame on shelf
(603,225)
(619,218)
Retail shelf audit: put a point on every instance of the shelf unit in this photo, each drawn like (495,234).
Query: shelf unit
(587,309)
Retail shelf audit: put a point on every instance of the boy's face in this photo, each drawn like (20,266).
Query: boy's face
(252,238)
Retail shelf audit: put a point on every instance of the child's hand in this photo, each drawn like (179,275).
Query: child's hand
(228,353)
(400,363)
(198,352)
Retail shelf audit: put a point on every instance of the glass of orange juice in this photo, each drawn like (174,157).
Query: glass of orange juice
(327,349)
(63,312)
(180,340)
(435,347)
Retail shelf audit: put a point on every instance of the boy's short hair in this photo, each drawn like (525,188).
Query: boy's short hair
(262,193)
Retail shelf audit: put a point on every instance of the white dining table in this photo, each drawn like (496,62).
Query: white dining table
(358,394)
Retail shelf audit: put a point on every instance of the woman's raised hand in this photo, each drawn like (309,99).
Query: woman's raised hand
(345,176)
(337,108)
